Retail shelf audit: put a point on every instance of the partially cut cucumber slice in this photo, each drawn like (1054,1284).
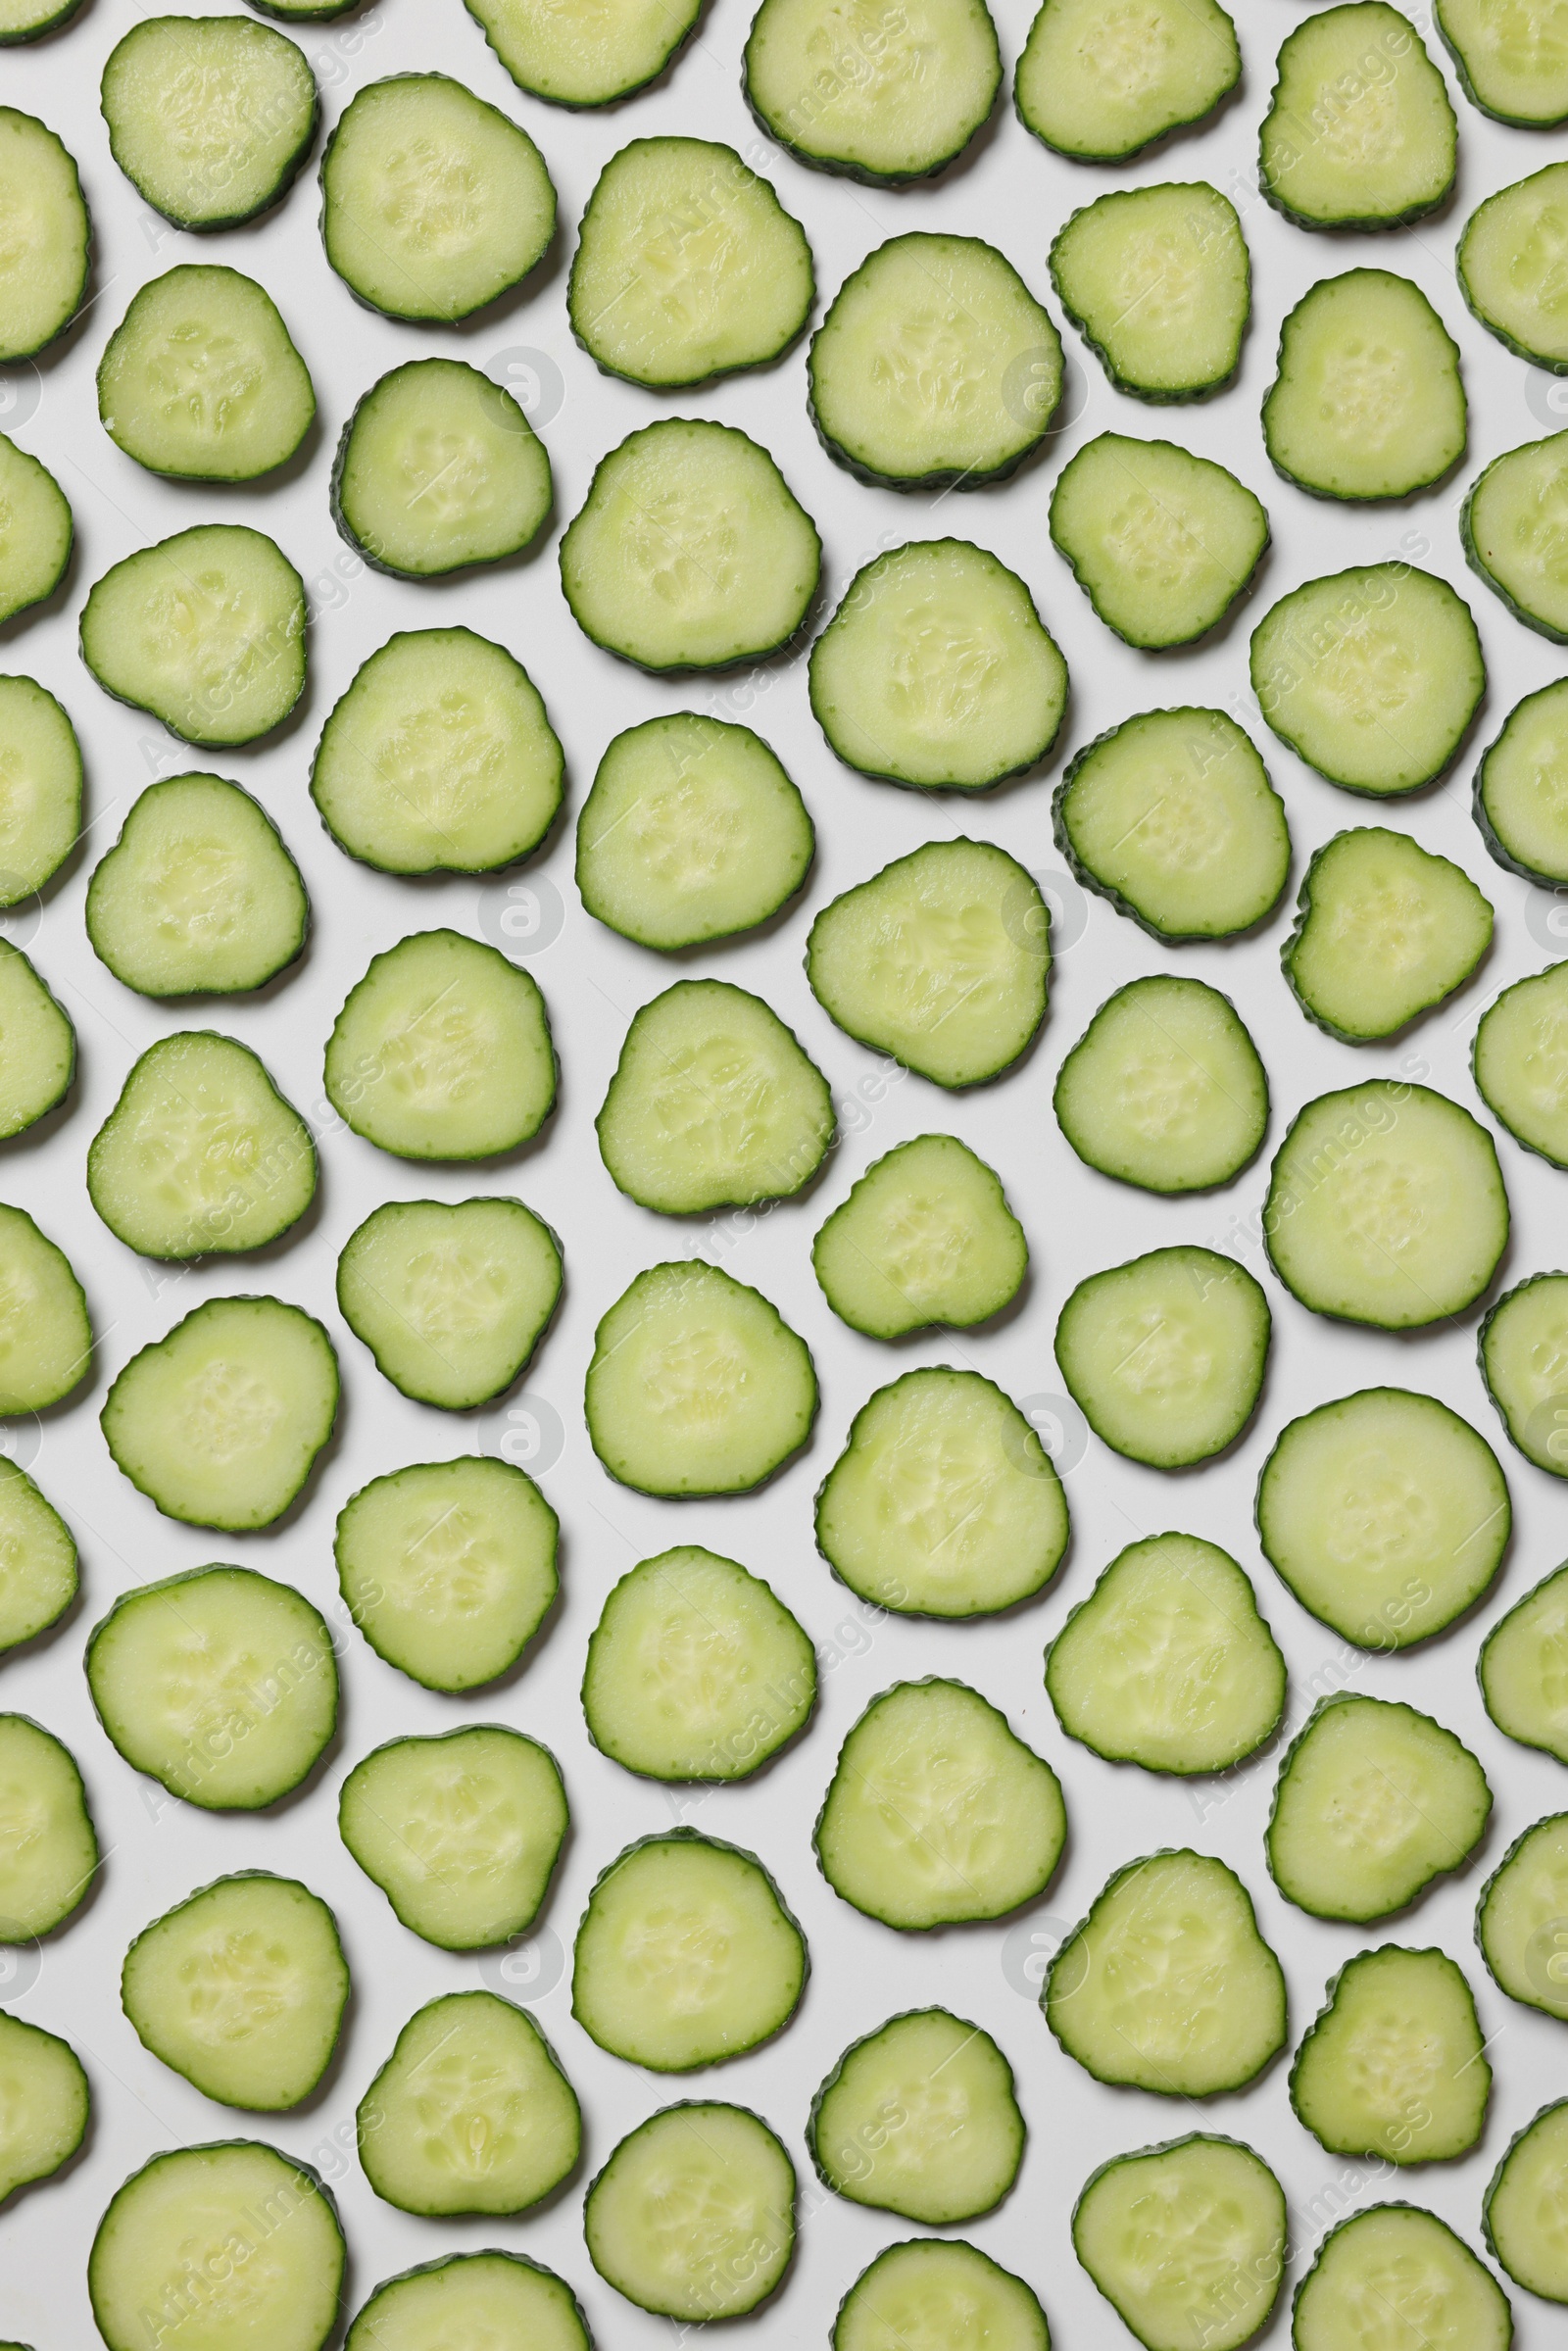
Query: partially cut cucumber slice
(1367,402)
(28,20)
(1157,283)
(882,98)
(1162,542)
(38,1572)
(1396,2272)
(925,1237)
(1384,930)
(1520,1058)
(1521,788)
(471,2113)
(931,2291)
(1395,2065)
(1522,1919)
(1511,533)
(48,1847)
(1507,267)
(37,1045)
(1164,1088)
(439,468)
(205,631)
(1359,132)
(462,1832)
(45,1335)
(1520,2215)
(1524,1363)
(474,2294)
(43,269)
(1186,2241)
(589,56)
(40,788)
(692,2217)
(1373,1802)
(1099,80)
(47,2102)
(1512,61)
(919,2118)
(451,1299)
(201,379)
(1164,1356)
(199,894)
(209,117)
(35,525)
(1523,1668)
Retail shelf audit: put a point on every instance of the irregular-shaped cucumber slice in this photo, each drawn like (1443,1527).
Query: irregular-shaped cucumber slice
(1359,132)
(1511,535)
(218,1684)
(1373,1801)
(209,117)
(692,2217)
(1520,1060)
(201,379)
(1524,1361)
(1384,930)
(1384,1514)
(1397,2267)
(432,202)
(38,1574)
(1164,1356)
(1519,2216)
(219,1423)
(935,367)
(1507,269)
(36,524)
(205,631)
(505,2294)
(1168,1985)
(43,270)
(1186,2241)
(199,894)
(885,2131)
(687,266)
(48,1847)
(439,468)
(1523,1668)
(1168,1663)
(926,1237)
(241,1987)
(943,1503)
(1097,79)
(918,88)
(37,1045)
(40,788)
(442,1051)
(47,2103)
(471,2113)
(1512,61)
(1395,2065)
(1164,1088)
(451,1299)
(930,2290)
(1157,283)
(1162,542)
(1367,402)
(1521,788)
(1520,1921)
(461,1833)
(45,1337)
(698,1384)
(942,960)
(937,1812)
(592,56)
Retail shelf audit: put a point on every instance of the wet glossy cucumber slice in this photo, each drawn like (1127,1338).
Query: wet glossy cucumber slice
(1373,1802)
(1367,402)
(462,1832)
(43,272)
(1510,537)
(1157,283)
(926,1237)
(1164,1356)
(209,117)
(920,2119)
(1520,1058)
(201,379)
(1359,132)
(1519,2215)
(1384,930)
(1186,2241)
(439,468)
(48,1847)
(1395,2065)
(1098,80)
(501,2293)
(1505,266)
(932,2289)
(205,631)
(45,1335)
(1164,1088)
(1521,788)
(1522,1919)
(1512,61)
(199,894)
(40,787)
(1523,1668)
(692,2217)
(471,2113)
(920,85)
(39,1058)
(38,1572)
(452,1299)
(47,2103)
(589,56)
(1396,2265)
(1162,542)
(1524,1362)
(36,524)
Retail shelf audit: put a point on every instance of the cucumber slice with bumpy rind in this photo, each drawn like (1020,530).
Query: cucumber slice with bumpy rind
(452,1299)
(37,1045)
(40,788)
(48,1847)
(38,1572)
(1164,1088)
(1359,132)
(241,1987)
(433,202)
(937,672)
(47,2103)
(1522,1918)
(931,2290)
(1506,265)
(1396,2272)
(1164,1356)
(209,117)
(1098,80)
(1367,402)
(471,2113)
(1168,1986)
(687,267)
(925,1237)
(472,2294)
(462,1832)
(1523,1668)
(1512,61)
(43,270)
(943,1503)
(692,2217)
(205,631)
(1394,2066)
(219,1423)
(45,1335)
(690,551)
(1157,283)
(1384,930)
(199,896)
(27,20)
(36,530)
(1185,2240)
(882,99)
(439,469)
(1386,1515)
(1520,1060)
(698,1386)
(201,380)
(919,2118)
(1521,789)
(1168,1663)
(1519,2216)
(1511,536)
(1372,1803)
(1162,542)
(937,1812)
(941,961)
(304,12)
(590,55)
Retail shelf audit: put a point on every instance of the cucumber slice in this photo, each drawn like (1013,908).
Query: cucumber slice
(37,1045)
(48,1849)
(696,1670)
(692,832)
(1171,816)
(1162,542)
(698,1386)
(1164,1088)
(1521,789)
(1395,2066)
(943,1503)
(1164,1356)
(1506,265)
(937,672)
(1512,61)
(687,267)
(1396,2275)
(884,99)
(442,1051)
(1384,930)
(1359,132)
(930,2292)
(201,379)
(1522,1666)
(43,270)
(219,1422)
(925,1237)
(1384,1514)
(1519,2217)
(36,524)
(241,1987)
(200,1153)
(690,551)
(205,631)
(199,894)
(692,2217)
(1168,1986)
(432,202)
(941,961)
(937,1813)
(451,1300)
(1520,1919)
(935,367)
(589,56)
(1510,537)
(447,1568)
(209,117)
(40,788)
(1168,1663)
(1520,1058)
(504,2295)
(27,20)
(1371,675)
(438,469)
(1186,2241)
(1372,1803)
(1098,80)
(1157,283)
(887,2129)
(38,1572)
(218,1684)
(45,1337)
(462,1832)
(47,2103)
(1367,402)
(471,2113)
(304,12)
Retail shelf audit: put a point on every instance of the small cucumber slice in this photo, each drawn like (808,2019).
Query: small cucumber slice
(1521,788)
(591,56)
(1186,2241)
(1372,1803)
(1512,62)
(43,270)
(462,1832)
(1367,402)
(1505,266)
(304,12)
(925,1237)
(1359,132)
(38,1572)
(209,117)
(199,894)
(38,1060)
(48,1847)
(919,2118)
(1520,1060)
(1162,542)
(1164,1356)
(1522,1919)
(201,379)
(28,20)
(1164,1088)
(1394,2267)
(500,2294)
(919,88)
(1523,1668)
(1099,81)
(1384,930)
(692,2217)
(205,631)
(47,2103)
(471,2113)
(439,468)
(35,525)
(1510,538)
(1519,2215)
(45,1335)
(451,1299)
(930,2290)
(1394,2066)
(1157,283)
(40,788)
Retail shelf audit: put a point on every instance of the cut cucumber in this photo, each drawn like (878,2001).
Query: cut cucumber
(442,1051)
(944,1501)
(937,672)
(1512,61)
(241,1987)
(471,2113)
(1157,283)
(1523,1668)
(209,117)
(462,1832)
(687,266)
(469,2297)
(926,1237)
(930,2292)
(451,1300)
(432,202)
(35,525)
(690,551)
(1520,1060)
(45,1337)
(1522,1921)
(696,1670)
(40,788)
(692,2217)
(38,1572)
(218,1684)
(205,631)
(37,1045)
(1384,930)
(698,1386)
(1511,536)
(937,1813)
(1164,1356)
(1506,265)
(48,1849)
(591,55)
(1168,1986)
(1162,542)
(201,379)
(1521,2216)
(304,12)
(919,2118)
(199,894)
(43,269)
(881,97)
(1373,1802)
(1171,816)
(27,20)
(1524,1363)
(219,1423)
(692,832)
(1521,788)
(1367,402)
(1186,2241)
(439,468)
(1359,132)
(1168,1663)
(1395,2276)
(1164,1088)
(935,367)
(47,2103)
(942,960)
(1098,80)
(1395,2065)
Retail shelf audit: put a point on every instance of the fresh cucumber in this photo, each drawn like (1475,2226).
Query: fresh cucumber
(39,1061)
(438,469)
(1372,1803)
(47,2103)
(883,98)
(1360,131)
(199,894)
(925,1237)
(201,379)
(1512,61)
(461,1831)
(505,2295)
(1099,81)
(1519,1920)
(589,56)
(1505,266)
(1162,542)
(30,20)
(451,1299)
(1164,1356)
(304,12)
(1186,2241)
(919,2118)
(692,2217)
(1367,402)
(471,2113)
(1164,1088)
(1510,536)
(1384,930)
(1394,2270)
(1519,2216)
(40,788)
(45,1337)
(205,631)
(1394,2065)
(1520,1060)
(43,269)
(36,530)
(1523,1668)
(49,1851)
(209,117)
(1157,283)
(38,1571)
(930,2292)
(1521,788)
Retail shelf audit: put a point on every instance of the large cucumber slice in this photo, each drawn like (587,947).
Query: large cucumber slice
(462,1832)
(1098,80)
(1509,536)
(38,1572)
(1383,931)
(1521,788)
(47,2103)
(1186,2241)
(1523,1668)
(201,379)
(919,2118)
(209,117)
(471,2113)
(1394,2066)
(920,84)
(205,631)
(38,1059)
(48,1847)
(926,1237)
(1373,1801)
(1164,1356)
(40,788)
(1367,402)
(1512,61)
(1520,1060)
(692,2217)
(1392,2271)
(1520,2215)
(591,56)
(1164,1088)
(43,270)
(1524,1361)
(439,468)
(451,1300)
(35,525)
(479,2295)
(1162,542)
(1359,132)
(1506,266)
(933,2291)
(1520,1919)
(1157,283)
(45,1337)
(199,894)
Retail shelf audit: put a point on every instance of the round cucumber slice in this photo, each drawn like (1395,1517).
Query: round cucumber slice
(439,468)
(692,2217)
(47,2103)
(901,97)
(1367,402)
(35,525)
(1373,1802)
(201,379)
(38,1572)
(462,1832)
(1524,1362)
(40,788)
(1394,2066)
(1523,1668)
(1396,2266)
(1521,788)
(451,1299)
(1099,81)
(1359,132)
(45,1335)
(925,1237)
(470,2295)
(1512,62)
(1510,539)
(48,1847)
(1164,1356)
(39,1059)
(1162,542)
(304,12)
(1383,931)
(1519,2215)
(199,894)
(1505,266)
(1164,1088)
(1520,1060)
(205,631)
(28,20)
(471,2113)
(1186,2241)
(591,57)
(1157,283)
(928,2290)
(1520,1919)
(885,2131)
(43,270)
(209,117)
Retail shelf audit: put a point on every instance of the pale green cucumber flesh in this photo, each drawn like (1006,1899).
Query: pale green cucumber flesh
(1162,542)
(692,2217)
(37,1045)
(1360,131)
(920,85)
(201,379)
(1523,2201)
(1394,2066)
(933,2291)
(1506,265)
(1512,538)
(451,1299)
(1157,283)
(1522,1668)
(48,1847)
(1394,2267)
(47,2103)
(1186,2241)
(501,2293)
(1098,80)
(1384,931)
(471,2113)
(209,117)
(46,1340)
(461,1831)
(1522,1918)
(1512,61)
(1521,788)
(1367,402)
(926,1237)
(920,2119)
(35,523)
(1164,1088)
(43,274)
(205,631)
(1523,1352)
(199,896)
(1373,1802)
(591,58)
(1164,1356)
(439,468)
(1520,1058)
(40,788)
(38,1571)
